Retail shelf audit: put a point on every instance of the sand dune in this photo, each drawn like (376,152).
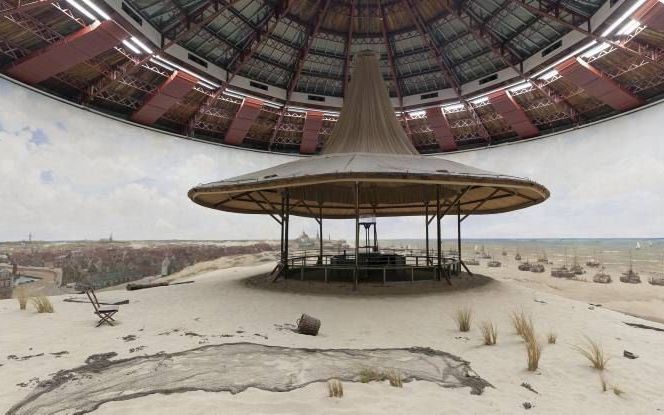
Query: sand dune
(221,306)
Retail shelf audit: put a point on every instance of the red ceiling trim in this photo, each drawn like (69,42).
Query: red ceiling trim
(505,105)
(598,85)
(243,120)
(169,94)
(313,122)
(441,129)
(83,45)
(651,14)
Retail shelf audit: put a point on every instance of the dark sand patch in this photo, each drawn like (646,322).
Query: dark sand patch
(83,389)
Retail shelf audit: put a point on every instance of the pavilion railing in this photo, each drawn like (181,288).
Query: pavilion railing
(414,262)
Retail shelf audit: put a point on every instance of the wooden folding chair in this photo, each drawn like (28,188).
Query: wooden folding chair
(104,312)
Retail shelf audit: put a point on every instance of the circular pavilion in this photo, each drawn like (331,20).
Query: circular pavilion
(369,168)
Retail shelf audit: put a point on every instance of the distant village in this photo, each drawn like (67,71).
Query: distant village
(105,263)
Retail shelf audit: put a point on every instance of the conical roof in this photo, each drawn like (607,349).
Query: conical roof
(368,148)
(367,123)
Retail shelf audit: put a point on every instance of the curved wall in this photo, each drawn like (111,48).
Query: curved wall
(67,173)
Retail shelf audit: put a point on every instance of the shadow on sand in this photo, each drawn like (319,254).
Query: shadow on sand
(465,282)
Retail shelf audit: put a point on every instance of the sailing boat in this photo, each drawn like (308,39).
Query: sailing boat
(525,266)
(576,268)
(543,258)
(630,276)
(657,278)
(602,277)
(562,272)
(638,245)
(493,263)
(593,262)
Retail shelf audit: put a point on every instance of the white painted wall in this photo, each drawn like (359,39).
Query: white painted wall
(68,173)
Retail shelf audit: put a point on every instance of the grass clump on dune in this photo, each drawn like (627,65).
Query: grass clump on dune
(489,333)
(374,375)
(335,388)
(371,375)
(534,352)
(463,318)
(605,387)
(524,327)
(594,352)
(523,324)
(395,378)
(42,304)
(22,296)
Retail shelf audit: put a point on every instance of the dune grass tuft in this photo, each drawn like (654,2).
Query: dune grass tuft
(552,338)
(534,352)
(395,378)
(22,296)
(523,325)
(594,352)
(463,318)
(42,304)
(489,333)
(617,391)
(371,375)
(335,388)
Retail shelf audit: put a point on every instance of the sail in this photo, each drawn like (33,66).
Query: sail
(367,123)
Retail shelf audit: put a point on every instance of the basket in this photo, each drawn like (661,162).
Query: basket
(308,325)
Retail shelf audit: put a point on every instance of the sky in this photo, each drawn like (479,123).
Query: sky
(70,174)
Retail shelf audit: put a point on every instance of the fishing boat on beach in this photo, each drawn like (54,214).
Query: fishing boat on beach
(525,266)
(630,276)
(562,272)
(537,268)
(484,254)
(517,257)
(657,278)
(471,261)
(576,268)
(542,258)
(494,264)
(593,262)
(602,277)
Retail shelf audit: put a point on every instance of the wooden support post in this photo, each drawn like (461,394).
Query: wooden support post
(281,237)
(426,229)
(286,220)
(438,239)
(320,232)
(357,234)
(459,233)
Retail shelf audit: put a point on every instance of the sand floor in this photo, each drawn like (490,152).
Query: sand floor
(221,307)
(642,300)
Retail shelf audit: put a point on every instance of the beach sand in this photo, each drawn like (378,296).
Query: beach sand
(643,300)
(226,305)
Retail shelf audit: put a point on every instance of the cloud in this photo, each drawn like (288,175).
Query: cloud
(71,174)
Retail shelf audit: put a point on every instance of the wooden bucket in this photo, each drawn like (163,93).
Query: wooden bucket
(308,325)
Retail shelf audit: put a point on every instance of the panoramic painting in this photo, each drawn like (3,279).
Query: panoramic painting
(331,207)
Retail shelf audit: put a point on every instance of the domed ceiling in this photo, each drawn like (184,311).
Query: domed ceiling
(271,75)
